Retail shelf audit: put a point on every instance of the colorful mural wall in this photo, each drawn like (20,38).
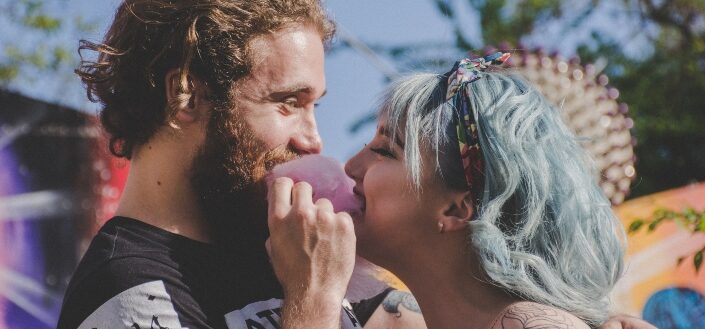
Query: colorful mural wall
(655,286)
(56,186)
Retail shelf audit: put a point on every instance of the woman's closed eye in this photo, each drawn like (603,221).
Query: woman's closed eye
(383,152)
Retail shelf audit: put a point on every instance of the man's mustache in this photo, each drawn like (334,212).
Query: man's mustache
(270,159)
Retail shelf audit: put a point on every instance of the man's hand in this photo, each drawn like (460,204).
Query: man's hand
(312,249)
(623,321)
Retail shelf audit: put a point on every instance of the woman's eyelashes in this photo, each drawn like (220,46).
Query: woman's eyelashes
(383,151)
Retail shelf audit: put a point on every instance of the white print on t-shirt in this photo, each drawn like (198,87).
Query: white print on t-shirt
(267,315)
(144,306)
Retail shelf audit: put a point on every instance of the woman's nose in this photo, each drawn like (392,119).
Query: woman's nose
(353,167)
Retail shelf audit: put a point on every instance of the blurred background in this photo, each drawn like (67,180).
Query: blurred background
(628,76)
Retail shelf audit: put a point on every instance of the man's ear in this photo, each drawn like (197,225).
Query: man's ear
(458,212)
(185,100)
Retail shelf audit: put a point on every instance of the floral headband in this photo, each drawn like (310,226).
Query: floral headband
(463,73)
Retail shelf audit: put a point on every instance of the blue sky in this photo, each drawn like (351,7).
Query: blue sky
(353,82)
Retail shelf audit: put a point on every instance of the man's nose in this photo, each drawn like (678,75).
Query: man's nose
(307,140)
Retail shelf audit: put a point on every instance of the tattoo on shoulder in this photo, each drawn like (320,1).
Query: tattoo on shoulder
(395,298)
(533,316)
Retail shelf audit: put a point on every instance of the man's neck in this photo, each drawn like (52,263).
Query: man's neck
(158,192)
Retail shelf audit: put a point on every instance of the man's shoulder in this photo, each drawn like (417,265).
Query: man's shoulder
(523,315)
(121,254)
(124,236)
(132,268)
(115,274)
(129,242)
(117,286)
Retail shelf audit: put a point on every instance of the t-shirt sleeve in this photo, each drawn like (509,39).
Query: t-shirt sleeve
(131,292)
(363,309)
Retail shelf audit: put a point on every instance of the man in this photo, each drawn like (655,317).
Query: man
(204,96)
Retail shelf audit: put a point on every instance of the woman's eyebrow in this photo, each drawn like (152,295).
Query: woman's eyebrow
(382,130)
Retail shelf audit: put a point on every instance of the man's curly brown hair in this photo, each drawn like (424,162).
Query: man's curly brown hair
(208,39)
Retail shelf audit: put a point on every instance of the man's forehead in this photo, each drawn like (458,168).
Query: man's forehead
(266,85)
(288,61)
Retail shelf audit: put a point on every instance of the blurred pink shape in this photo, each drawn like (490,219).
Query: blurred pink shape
(326,176)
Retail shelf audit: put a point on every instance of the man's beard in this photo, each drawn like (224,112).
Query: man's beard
(227,175)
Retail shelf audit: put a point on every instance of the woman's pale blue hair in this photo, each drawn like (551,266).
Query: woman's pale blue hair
(544,231)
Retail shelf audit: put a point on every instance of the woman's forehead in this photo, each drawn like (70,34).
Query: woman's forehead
(383,125)
(397,136)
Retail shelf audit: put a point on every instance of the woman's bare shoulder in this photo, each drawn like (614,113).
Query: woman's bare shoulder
(528,315)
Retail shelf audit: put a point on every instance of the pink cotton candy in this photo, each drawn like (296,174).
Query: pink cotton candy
(326,176)
(328,179)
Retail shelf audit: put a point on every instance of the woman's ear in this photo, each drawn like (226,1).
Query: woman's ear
(185,99)
(458,213)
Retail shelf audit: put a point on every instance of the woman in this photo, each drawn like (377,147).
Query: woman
(482,202)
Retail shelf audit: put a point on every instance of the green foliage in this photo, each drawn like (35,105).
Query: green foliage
(39,52)
(665,95)
(689,219)
(8,72)
(503,22)
(42,22)
(698,260)
(32,15)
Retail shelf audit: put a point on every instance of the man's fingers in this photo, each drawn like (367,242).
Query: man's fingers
(324,204)
(345,223)
(611,325)
(280,198)
(623,321)
(302,196)
(629,322)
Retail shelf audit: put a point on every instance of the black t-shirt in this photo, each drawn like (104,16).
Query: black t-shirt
(135,275)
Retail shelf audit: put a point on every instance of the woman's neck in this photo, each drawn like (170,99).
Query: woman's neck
(450,290)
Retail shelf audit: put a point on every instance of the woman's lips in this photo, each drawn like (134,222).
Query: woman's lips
(361,198)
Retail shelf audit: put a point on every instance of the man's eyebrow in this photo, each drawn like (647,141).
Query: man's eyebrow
(382,130)
(299,88)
